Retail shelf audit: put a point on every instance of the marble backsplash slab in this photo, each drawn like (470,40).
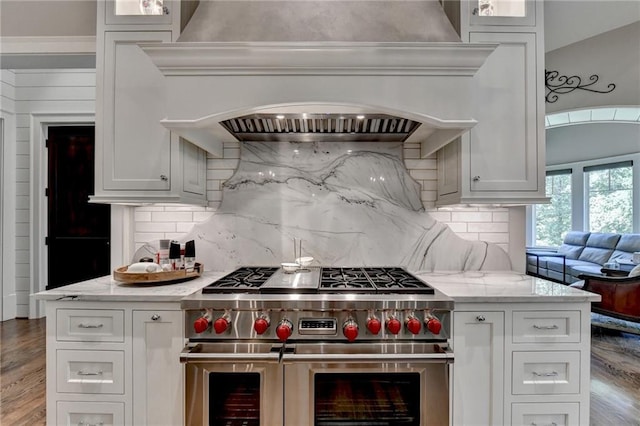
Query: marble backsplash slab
(350,204)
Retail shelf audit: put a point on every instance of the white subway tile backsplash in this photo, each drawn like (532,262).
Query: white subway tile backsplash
(202,216)
(148,236)
(423,174)
(231,152)
(171,216)
(494,237)
(440,216)
(184,227)
(491,227)
(156,227)
(411,153)
(214,195)
(458,216)
(142,216)
(155,208)
(501,216)
(182,208)
(425,164)
(230,164)
(458,227)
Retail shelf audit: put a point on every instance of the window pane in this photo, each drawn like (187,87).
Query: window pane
(554,220)
(610,201)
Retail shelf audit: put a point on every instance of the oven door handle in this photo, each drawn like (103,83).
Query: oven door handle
(443,357)
(193,354)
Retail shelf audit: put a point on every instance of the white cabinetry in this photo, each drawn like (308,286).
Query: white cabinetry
(114,363)
(521,364)
(157,372)
(501,159)
(138,160)
(478,384)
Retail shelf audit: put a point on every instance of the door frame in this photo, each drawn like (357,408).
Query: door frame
(8,304)
(38,262)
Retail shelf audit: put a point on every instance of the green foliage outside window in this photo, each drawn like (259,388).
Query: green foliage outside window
(554,220)
(610,201)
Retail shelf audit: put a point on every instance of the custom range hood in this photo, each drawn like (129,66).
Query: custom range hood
(319,71)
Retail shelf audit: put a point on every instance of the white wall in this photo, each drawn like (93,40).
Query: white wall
(39,92)
(7,195)
(583,142)
(613,56)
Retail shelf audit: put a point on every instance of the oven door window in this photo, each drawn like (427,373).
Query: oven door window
(380,399)
(234,399)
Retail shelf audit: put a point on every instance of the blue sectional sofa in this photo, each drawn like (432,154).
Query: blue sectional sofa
(582,253)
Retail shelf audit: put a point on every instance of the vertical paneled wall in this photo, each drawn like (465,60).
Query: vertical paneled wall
(40,92)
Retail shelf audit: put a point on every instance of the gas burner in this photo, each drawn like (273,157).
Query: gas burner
(397,280)
(247,279)
(345,279)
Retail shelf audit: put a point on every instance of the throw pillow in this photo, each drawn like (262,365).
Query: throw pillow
(635,271)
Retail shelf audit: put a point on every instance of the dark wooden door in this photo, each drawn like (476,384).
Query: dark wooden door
(78,232)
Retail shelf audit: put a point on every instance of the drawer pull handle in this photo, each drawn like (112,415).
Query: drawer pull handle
(155,317)
(551,374)
(481,318)
(545,327)
(89,373)
(81,325)
(81,423)
(550,424)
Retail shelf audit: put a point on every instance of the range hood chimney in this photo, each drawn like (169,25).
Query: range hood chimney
(238,65)
(329,20)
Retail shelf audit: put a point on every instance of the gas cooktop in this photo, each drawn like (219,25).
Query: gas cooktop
(368,280)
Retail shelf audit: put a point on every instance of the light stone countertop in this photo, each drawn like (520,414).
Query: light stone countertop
(502,287)
(463,287)
(107,289)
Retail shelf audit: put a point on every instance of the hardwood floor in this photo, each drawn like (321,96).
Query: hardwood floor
(615,375)
(22,372)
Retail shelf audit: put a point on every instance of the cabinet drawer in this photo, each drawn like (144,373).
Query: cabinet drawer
(558,414)
(90,371)
(83,325)
(546,327)
(89,413)
(544,373)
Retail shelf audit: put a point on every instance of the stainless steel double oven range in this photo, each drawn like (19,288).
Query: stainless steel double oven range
(322,346)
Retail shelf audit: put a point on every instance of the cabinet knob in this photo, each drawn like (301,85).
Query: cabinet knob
(165,10)
(476,178)
(475,11)
(480,318)
(164,178)
(155,317)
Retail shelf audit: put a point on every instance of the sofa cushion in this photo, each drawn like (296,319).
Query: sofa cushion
(599,247)
(627,244)
(573,244)
(555,264)
(591,269)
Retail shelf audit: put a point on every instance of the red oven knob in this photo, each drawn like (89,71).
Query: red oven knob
(434,325)
(284,330)
(350,329)
(374,325)
(261,324)
(202,324)
(393,325)
(221,325)
(413,325)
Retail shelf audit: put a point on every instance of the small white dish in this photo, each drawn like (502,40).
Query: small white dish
(289,267)
(304,261)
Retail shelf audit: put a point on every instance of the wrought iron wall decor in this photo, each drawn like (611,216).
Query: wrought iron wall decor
(561,84)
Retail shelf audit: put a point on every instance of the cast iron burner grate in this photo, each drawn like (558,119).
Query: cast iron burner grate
(247,279)
(372,280)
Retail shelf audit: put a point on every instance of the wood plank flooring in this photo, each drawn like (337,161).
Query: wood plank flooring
(615,375)
(22,372)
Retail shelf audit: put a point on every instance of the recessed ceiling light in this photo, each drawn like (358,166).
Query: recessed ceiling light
(360,117)
(304,115)
(280,117)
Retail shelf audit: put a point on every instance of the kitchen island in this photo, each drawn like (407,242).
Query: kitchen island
(521,348)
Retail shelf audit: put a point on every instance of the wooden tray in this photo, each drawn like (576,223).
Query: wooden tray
(169,277)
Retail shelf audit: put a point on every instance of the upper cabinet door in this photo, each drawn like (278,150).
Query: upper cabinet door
(145,12)
(502,12)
